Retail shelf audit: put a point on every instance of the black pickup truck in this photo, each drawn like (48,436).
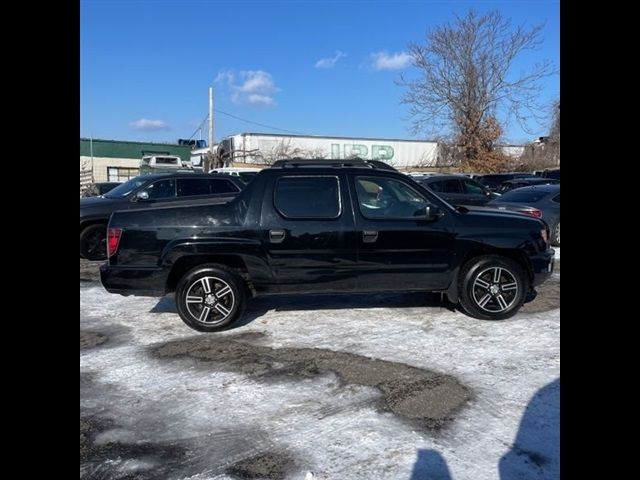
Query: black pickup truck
(326,227)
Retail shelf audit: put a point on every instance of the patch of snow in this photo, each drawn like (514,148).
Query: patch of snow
(334,430)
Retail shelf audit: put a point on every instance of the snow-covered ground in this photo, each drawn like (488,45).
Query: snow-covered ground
(330,428)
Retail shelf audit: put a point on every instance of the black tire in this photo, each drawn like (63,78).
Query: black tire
(555,235)
(216,278)
(484,298)
(93,242)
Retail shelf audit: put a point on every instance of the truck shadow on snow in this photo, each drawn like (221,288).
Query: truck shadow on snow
(257,307)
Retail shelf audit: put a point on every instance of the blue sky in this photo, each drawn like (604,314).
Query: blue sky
(310,67)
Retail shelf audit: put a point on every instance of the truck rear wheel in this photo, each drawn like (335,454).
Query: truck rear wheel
(492,287)
(209,298)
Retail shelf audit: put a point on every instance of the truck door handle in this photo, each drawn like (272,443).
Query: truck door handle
(369,236)
(276,236)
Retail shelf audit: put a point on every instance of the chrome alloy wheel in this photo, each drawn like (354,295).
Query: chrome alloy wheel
(210,300)
(495,289)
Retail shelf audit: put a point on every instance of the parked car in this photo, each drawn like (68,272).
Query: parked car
(552,173)
(99,188)
(525,182)
(245,175)
(147,192)
(458,189)
(319,227)
(540,201)
(493,180)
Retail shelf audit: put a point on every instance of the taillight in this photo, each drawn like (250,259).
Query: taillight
(113,240)
(534,212)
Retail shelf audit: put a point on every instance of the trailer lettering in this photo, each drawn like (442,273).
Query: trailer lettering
(378,152)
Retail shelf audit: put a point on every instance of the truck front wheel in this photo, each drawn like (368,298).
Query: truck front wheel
(492,287)
(209,298)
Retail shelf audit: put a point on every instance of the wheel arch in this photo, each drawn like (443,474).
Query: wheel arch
(233,262)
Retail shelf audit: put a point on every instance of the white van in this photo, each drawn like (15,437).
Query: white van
(163,164)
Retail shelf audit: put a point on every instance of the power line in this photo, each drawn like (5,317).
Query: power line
(199,127)
(256,123)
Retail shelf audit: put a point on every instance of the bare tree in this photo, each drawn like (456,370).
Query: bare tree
(466,81)
(544,153)
(284,150)
(554,135)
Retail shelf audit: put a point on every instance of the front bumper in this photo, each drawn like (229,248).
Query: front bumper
(146,282)
(542,266)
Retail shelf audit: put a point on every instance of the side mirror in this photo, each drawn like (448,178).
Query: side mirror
(429,213)
(141,195)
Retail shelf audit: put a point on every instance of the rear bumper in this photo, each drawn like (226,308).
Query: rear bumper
(147,282)
(542,266)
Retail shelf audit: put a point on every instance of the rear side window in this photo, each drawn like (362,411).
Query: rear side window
(435,186)
(222,186)
(308,197)
(451,186)
(189,187)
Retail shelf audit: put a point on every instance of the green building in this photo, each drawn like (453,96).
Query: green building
(119,160)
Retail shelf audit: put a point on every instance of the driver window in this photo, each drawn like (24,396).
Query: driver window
(161,189)
(386,198)
(473,187)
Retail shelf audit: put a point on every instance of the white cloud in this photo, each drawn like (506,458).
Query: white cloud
(254,87)
(257,99)
(225,76)
(146,125)
(331,61)
(384,61)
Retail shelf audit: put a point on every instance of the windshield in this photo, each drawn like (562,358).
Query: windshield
(528,196)
(126,188)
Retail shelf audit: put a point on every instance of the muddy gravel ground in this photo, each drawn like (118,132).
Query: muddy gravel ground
(317,388)
(417,394)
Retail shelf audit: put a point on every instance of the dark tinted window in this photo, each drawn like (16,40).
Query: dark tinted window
(222,186)
(435,186)
(452,186)
(161,189)
(527,196)
(189,187)
(308,197)
(246,177)
(473,187)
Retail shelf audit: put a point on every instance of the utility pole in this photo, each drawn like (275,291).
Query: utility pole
(91,148)
(210,126)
